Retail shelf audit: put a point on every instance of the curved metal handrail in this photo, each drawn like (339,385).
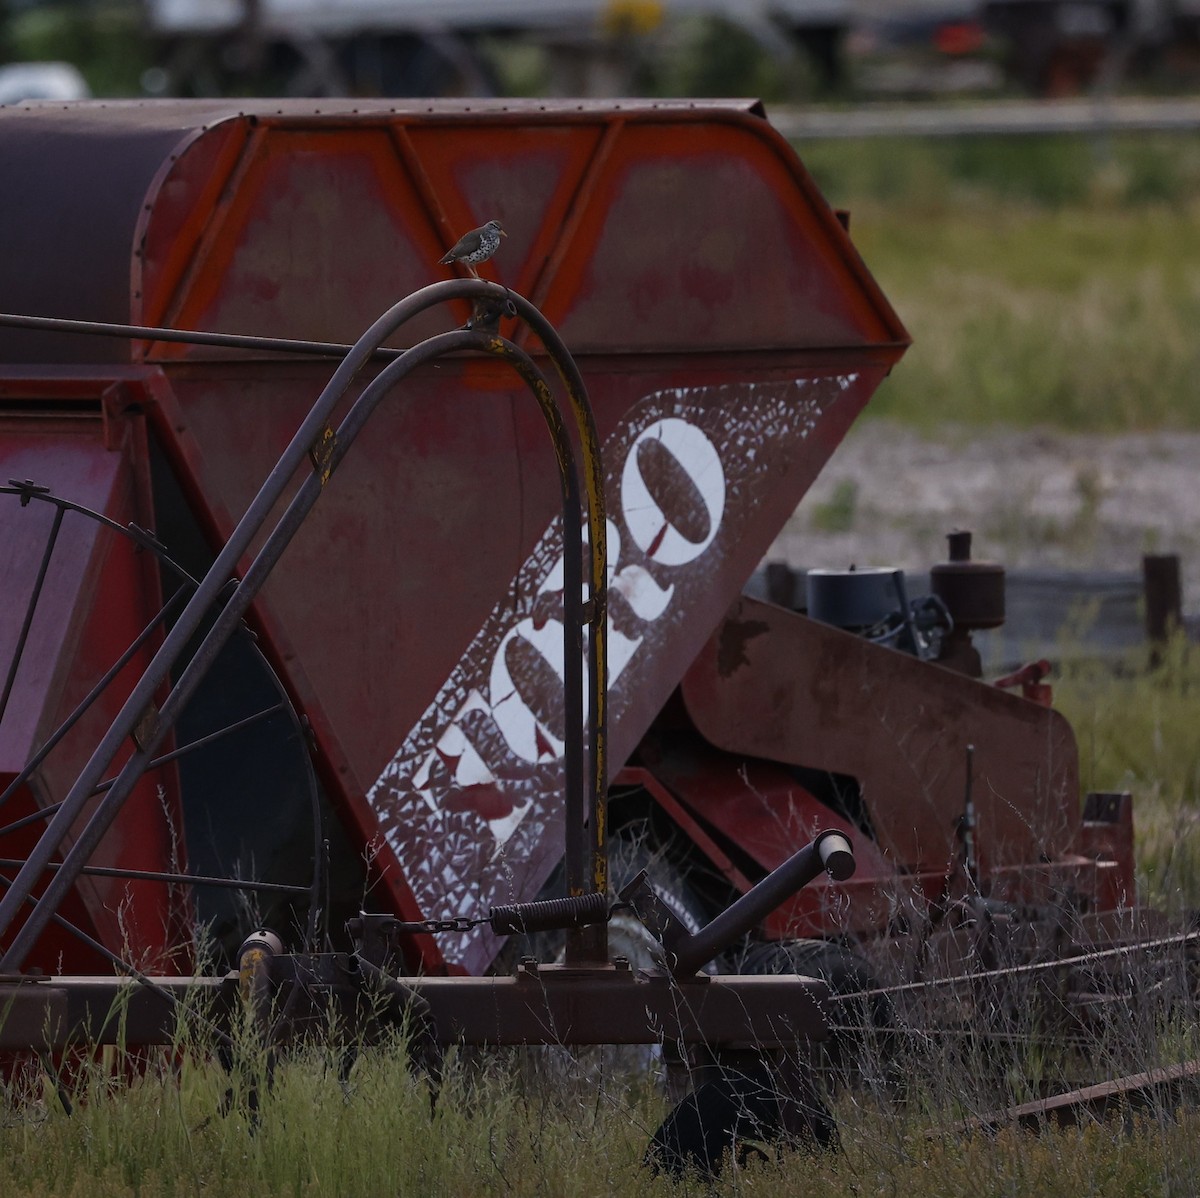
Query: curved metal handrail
(327,450)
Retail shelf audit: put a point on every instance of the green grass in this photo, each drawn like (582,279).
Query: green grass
(1137,731)
(1050,280)
(163,1136)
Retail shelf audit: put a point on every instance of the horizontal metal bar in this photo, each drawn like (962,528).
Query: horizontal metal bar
(146,875)
(552,1005)
(48,1014)
(142,332)
(556,1005)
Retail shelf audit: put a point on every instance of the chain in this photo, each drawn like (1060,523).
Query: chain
(431,926)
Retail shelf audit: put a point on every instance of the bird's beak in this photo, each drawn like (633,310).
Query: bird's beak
(503,233)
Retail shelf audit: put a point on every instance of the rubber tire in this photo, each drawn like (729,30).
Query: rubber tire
(734,1112)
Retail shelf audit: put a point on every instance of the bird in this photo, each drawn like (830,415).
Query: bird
(476,246)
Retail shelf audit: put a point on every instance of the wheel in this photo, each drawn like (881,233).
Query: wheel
(750,1104)
(861,1045)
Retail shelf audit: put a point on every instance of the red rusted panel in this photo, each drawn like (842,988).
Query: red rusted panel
(729,335)
(770,683)
(100,592)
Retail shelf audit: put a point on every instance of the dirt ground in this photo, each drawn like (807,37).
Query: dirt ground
(1033,498)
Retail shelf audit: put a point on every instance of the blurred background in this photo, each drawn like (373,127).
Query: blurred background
(782,50)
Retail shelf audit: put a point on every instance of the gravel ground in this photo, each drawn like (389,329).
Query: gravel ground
(1034,498)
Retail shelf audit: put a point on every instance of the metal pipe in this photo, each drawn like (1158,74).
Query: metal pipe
(119,963)
(142,332)
(147,875)
(830,852)
(590,943)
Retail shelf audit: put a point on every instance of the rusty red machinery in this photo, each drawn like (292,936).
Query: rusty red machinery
(406,711)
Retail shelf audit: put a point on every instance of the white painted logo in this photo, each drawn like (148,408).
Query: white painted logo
(482,769)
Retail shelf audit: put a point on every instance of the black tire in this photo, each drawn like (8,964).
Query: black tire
(736,1113)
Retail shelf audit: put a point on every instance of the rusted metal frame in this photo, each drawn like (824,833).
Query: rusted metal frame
(202,742)
(575,210)
(49,1014)
(139,711)
(144,981)
(557,1005)
(597,531)
(214,226)
(53,739)
(411,163)
(532,1008)
(142,697)
(578,810)
(31,608)
(582,808)
(594,941)
(596,1007)
(149,875)
(573,743)
(187,237)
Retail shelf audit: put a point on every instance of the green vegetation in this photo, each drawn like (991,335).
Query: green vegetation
(1137,732)
(164,1136)
(1051,280)
(105,41)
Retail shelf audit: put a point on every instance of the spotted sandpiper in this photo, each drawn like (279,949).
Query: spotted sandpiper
(476,246)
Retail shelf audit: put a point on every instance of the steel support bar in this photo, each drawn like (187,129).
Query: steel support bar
(623,1007)
(142,332)
(829,852)
(592,942)
(48,1014)
(550,1005)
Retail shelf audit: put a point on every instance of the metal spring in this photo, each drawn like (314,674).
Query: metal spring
(549,914)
